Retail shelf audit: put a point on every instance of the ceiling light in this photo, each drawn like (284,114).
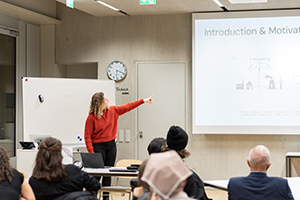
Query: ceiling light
(109,6)
(218,3)
(247,1)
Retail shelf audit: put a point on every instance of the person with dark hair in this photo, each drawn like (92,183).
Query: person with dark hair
(13,185)
(257,185)
(101,129)
(141,191)
(177,139)
(52,180)
(156,144)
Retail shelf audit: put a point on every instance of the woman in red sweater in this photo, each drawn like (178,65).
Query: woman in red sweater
(101,128)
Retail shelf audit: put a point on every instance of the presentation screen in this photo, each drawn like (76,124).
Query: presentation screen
(246,72)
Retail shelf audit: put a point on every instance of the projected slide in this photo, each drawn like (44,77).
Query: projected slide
(246,75)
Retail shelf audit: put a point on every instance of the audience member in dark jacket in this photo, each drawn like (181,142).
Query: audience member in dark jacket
(257,185)
(51,179)
(177,139)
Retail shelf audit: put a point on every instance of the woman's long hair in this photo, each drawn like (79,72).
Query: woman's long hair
(97,104)
(48,162)
(5,167)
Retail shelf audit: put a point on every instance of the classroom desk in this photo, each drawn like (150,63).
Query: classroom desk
(294,183)
(218,184)
(106,172)
(288,157)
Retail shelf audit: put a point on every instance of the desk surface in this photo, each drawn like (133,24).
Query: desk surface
(106,172)
(292,154)
(294,183)
(219,184)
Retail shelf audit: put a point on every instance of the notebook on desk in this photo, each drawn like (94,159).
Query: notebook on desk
(92,160)
(121,169)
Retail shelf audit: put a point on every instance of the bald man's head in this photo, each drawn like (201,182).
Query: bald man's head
(259,158)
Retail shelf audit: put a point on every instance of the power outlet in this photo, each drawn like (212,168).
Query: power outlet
(127,135)
(121,135)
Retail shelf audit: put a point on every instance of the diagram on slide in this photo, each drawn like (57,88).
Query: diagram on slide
(263,72)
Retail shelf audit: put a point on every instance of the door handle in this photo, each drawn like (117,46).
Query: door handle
(141,134)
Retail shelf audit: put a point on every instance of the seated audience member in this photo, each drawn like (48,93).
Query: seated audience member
(177,139)
(166,175)
(51,180)
(141,192)
(13,185)
(257,185)
(156,144)
(154,147)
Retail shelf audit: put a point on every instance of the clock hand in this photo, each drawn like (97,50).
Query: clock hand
(120,71)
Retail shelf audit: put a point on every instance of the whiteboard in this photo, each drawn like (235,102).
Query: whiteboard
(65,108)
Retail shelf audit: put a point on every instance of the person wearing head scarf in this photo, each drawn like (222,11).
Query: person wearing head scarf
(141,191)
(177,139)
(166,175)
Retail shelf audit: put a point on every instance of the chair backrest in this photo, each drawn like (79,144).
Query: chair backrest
(78,195)
(127,162)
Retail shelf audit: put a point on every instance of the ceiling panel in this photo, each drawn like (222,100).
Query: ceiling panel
(132,7)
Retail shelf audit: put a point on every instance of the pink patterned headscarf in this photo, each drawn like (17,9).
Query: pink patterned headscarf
(164,172)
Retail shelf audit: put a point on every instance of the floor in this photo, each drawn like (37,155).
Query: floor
(211,193)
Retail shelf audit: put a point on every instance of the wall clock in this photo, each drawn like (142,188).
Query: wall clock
(116,71)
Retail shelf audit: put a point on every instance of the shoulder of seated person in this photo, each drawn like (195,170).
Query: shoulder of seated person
(72,167)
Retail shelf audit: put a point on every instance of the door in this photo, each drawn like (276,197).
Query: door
(166,81)
(7,91)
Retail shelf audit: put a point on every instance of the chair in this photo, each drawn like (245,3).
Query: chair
(116,188)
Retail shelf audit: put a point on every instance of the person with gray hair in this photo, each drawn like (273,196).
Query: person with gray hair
(257,185)
(259,158)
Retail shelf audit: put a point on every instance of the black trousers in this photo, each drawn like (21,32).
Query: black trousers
(109,153)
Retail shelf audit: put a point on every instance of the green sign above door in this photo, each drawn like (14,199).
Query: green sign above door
(147,2)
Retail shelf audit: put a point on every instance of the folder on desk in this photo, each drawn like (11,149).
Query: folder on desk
(121,169)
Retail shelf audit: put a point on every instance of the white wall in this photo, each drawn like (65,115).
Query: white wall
(84,38)
(33,50)
(29,48)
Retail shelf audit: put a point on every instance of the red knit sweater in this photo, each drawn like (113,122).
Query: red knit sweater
(105,128)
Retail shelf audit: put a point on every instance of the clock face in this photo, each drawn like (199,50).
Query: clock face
(116,71)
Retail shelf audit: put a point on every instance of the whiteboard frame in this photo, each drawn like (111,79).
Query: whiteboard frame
(65,107)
